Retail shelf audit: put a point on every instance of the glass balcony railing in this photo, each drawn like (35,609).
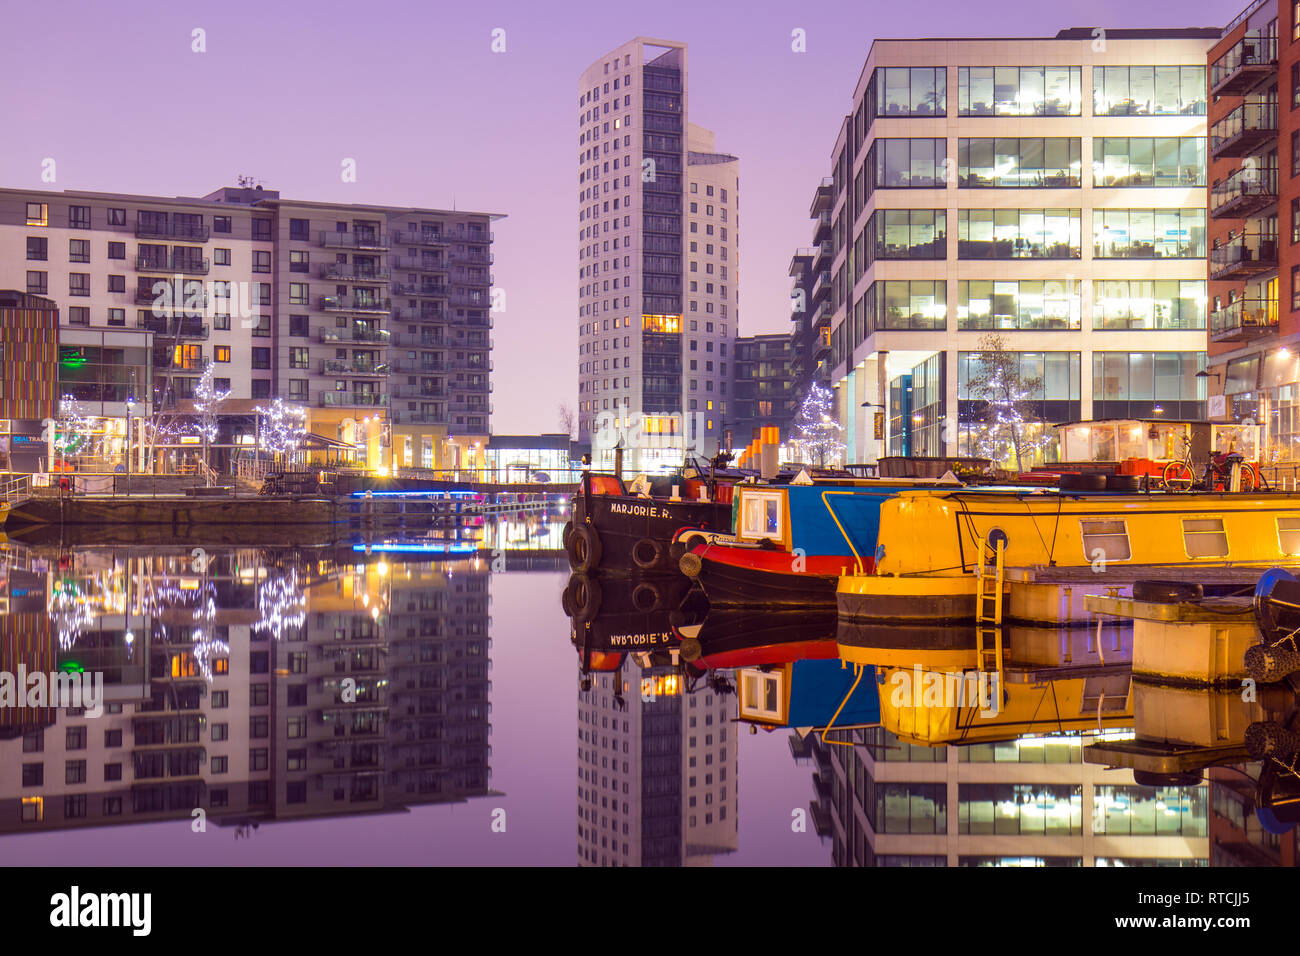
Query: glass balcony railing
(1243,130)
(1243,319)
(353,398)
(1246,255)
(1247,63)
(1248,190)
(357,239)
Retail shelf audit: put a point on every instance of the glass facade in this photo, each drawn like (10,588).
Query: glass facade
(1148,304)
(1021,234)
(1148,90)
(906,163)
(906,305)
(906,807)
(1133,384)
(1012,808)
(1050,163)
(1020,91)
(1039,750)
(1056,375)
(906,234)
(908,91)
(1148,233)
(1146,811)
(1027,304)
(1148,161)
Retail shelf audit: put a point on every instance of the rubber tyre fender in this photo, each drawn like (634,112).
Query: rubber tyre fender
(584,596)
(648,553)
(647,596)
(1123,483)
(1167,592)
(567,534)
(1145,778)
(1085,482)
(1268,738)
(584,549)
(1268,664)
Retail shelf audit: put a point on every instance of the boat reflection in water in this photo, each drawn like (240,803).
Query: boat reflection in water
(255,684)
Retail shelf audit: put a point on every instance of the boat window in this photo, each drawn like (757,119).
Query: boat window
(1288,534)
(760,694)
(1108,537)
(760,516)
(1205,538)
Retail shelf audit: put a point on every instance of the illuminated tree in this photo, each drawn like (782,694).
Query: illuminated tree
(1006,430)
(817,434)
(207,403)
(281,428)
(74,430)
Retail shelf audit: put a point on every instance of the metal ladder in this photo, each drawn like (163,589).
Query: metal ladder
(988,606)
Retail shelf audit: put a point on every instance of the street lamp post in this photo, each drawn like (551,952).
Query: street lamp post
(129,403)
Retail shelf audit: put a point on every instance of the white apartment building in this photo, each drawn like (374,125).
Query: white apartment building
(1051,191)
(658,262)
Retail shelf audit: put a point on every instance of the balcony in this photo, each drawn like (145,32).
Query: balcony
(419,288)
(419,315)
(186,265)
(821,289)
(418,264)
(423,238)
(465,235)
(352,273)
(418,391)
(179,328)
(353,303)
(355,334)
(337,367)
(472,257)
(801,259)
(363,399)
(1246,191)
(824,198)
(822,231)
(416,340)
(173,230)
(1243,320)
(472,299)
(1249,63)
(420,366)
(825,253)
(365,239)
(1244,130)
(1247,255)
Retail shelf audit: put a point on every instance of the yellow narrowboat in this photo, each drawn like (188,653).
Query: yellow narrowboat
(964,556)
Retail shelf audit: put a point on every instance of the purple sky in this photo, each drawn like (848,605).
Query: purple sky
(414,94)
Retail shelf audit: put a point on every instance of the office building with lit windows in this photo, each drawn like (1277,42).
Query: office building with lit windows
(1051,191)
(658,262)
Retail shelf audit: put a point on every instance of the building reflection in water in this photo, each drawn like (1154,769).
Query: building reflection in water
(253,684)
(656,765)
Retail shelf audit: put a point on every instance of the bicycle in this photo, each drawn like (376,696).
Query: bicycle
(1180,476)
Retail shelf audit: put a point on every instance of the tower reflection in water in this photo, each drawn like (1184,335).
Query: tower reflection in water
(253,684)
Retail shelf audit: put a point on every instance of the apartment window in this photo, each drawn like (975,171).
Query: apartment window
(261,358)
(298,390)
(262,330)
(75,738)
(79,283)
(262,229)
(299,230)
(220,765)
(221,353)
(112,771)
(117,217)
(261,261)
(78,315)
(220,699)
(1295,85)
(908,91)
(221,385)
(299,293)
(259,694)
(299,261)
(1295,221)
(906,234)
(221,224)
(1295,288)
(117,317)
(906,163)
(1295,153)
(117,250)
(74,771)
(257,759)
(221,321)
(299,326)
(78,217)
(117,283)
(299,357)
(38,214)
(259,726)
(261,388)
(221,257)
(38,248)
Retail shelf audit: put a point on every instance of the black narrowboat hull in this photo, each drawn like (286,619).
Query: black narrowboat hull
(634,533)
